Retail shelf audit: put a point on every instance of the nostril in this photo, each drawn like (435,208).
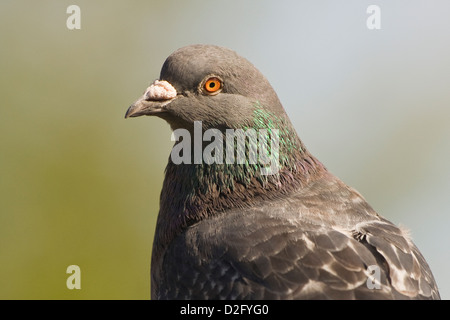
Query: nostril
(160,90)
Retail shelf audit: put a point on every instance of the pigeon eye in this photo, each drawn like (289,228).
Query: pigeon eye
(212,85)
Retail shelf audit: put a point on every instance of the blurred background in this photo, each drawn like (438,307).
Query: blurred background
(80,185)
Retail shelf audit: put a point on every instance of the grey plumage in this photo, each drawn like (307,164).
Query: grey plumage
(225,231)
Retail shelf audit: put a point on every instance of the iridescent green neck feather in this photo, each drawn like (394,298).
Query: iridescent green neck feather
(192,192)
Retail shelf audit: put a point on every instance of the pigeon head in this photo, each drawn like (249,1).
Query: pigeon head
(207,83)
(222,90)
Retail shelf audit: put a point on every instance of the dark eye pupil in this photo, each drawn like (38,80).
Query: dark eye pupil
(212,85)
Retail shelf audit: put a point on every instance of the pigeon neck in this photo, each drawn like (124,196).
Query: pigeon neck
(192,192)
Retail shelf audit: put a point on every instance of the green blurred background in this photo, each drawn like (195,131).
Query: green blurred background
(80,185)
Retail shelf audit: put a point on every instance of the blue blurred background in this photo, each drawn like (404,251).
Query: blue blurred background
(80,185)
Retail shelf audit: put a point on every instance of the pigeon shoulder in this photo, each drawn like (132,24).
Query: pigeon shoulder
(296,248)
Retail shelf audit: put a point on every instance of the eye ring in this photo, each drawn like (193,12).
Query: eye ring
(212,85)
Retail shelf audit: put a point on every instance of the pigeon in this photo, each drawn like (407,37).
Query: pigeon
(247,212)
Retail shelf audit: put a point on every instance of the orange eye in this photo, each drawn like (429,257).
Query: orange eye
(212,85)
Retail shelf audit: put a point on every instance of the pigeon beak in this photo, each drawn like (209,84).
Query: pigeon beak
(154,100)
(144,107)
